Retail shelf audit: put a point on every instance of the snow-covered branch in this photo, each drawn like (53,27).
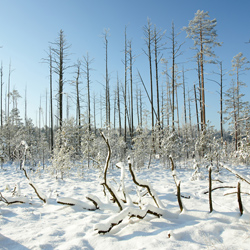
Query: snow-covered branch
(106,183)
(116,219)
(240,176)
(39,193)
(146,185)
(11,200)
(177,183)
(73,202)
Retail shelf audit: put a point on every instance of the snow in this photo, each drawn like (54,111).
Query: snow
(38,225)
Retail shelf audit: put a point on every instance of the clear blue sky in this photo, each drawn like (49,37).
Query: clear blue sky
(27,27)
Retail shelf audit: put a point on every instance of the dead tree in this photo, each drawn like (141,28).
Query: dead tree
(148,37)
(1,76)
(175,52)
(61,54)
(107,87)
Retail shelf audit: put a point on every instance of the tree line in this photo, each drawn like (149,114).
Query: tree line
(76,139)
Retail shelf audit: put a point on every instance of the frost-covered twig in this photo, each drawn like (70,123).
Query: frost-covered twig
(106,183)
(146,185)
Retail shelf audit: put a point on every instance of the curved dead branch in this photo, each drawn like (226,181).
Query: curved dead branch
(8,202)
(33,186)
(219,188)
(135,180)
(106,184)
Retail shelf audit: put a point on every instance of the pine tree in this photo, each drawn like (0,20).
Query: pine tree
(202,30)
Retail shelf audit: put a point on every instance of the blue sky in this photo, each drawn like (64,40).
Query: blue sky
(27,27)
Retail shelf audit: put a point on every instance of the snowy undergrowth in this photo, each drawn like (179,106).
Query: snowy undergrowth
(55,226)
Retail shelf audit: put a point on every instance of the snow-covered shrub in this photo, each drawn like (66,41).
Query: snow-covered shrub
(141,147)
(64,150)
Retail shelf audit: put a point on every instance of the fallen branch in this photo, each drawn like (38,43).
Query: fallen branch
(236,193)
(94,200)
(240,176)
(11,200)
(219,188)
(116,219)
(73,202)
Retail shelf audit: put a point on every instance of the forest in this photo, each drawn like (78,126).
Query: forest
(135,123)
(151,165)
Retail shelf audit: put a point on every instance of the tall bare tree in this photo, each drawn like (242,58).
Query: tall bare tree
(175,52)
(87,63)
(78,106)
(1,75)
(221,75)
(60,59)
(107,87)
(148,37)
(125,84)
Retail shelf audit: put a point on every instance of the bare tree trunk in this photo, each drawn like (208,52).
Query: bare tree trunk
(46,113)
(107,81)
(100,109)
(148,39)
(200,88)
(197,112)
(131,89)
(203,120)
(1,94)
(78,106)
(184,96)
(87,63)
(125,87)
(119,107)
(156,41)
(94,103)
(177,109)
(51,105)
(221,101)
(173,75)
(60,52)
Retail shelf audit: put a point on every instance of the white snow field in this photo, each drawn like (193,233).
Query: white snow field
(50,225)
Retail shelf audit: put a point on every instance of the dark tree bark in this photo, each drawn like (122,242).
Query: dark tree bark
(107,87)
(1,75)
(125,86)
(197,112)
(148,37)
(60,56)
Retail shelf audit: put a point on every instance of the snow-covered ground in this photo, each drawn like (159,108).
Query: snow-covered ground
(57,226)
